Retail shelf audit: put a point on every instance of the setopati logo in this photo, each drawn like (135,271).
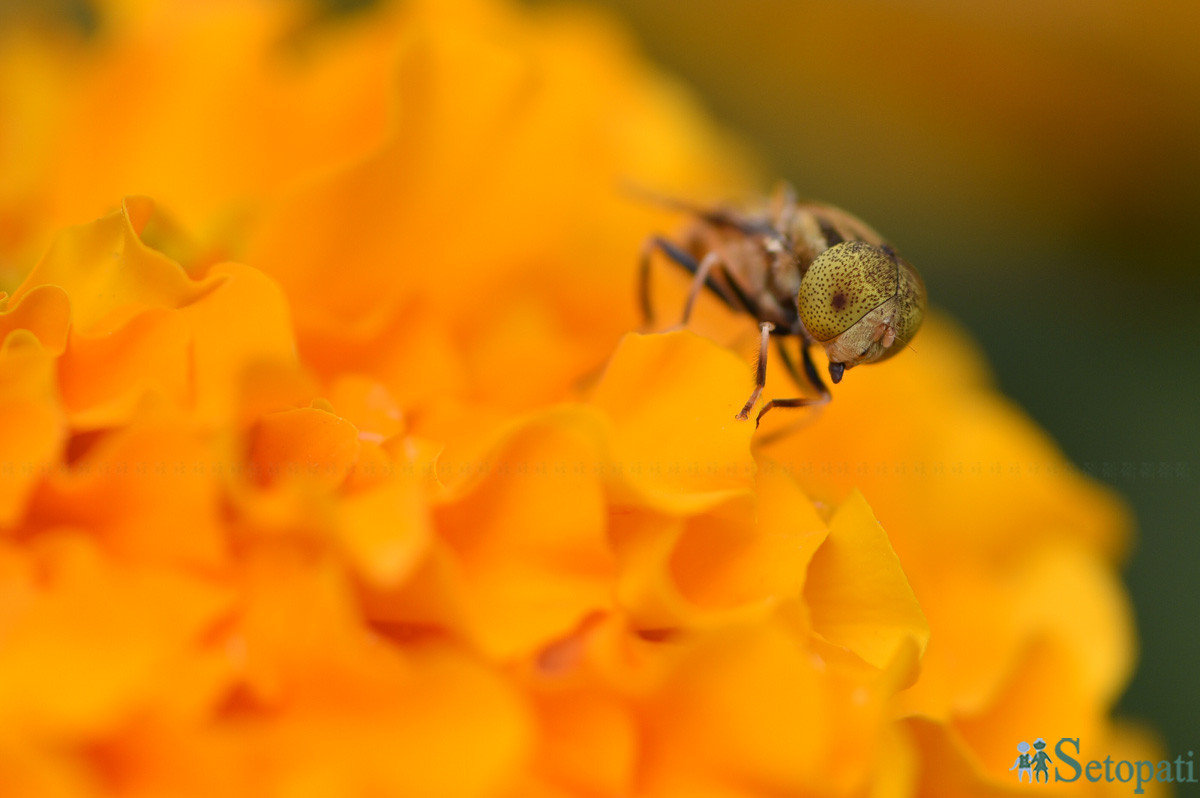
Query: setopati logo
(1033,763)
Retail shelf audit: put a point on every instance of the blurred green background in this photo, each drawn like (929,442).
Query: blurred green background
(1040,163)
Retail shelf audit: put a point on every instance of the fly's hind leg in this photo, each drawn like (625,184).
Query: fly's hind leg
(647,304)
(702,277)
(698,281)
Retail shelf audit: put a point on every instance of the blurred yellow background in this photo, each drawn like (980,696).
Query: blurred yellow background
(1040,163)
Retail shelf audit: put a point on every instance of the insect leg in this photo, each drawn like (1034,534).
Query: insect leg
(644,280)
(684,260)
(706,266)
(810,369)
(760,374)
(810,372)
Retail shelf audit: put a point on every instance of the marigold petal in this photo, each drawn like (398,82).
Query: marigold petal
(760,553)
(737,559)
(643,543)
(857,592)
(124,626)
(531,535)
(435,597)
(34,430)
(947,766)
(140,323)
(452,727)
(385,527)
(148,492)
(416,342)
(104,378)
(305,444)
(437,722)
(966,661)
(424,698)
(749,708)
(283,665)
(368,405)
(588,741)
(609,596)
(44,310)
(1069,594)
(672,399)
(1058,590)
(110,275)
(91,123)
(527,354)
(367,246)
(944,446)
(243,325)
(29,769)
(895,773)
(1043,696)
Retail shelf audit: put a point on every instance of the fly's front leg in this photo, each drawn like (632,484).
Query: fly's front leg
(760,374)
(810,373)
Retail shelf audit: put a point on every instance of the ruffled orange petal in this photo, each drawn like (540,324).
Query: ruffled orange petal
(589,743)
(368,406)
(672,399)
(1041,697)
(1069,596)
(857,592)
(385,527)
(530,536)
(149,492)
(737,559)
(756,553)
(426,699)
(34,426)
(44,310)
(947,767)
(750,710)
(242,326)
(105,378)
(110,275)
(307,444)
(120,626)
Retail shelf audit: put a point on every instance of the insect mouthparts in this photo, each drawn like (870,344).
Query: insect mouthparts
(835,372)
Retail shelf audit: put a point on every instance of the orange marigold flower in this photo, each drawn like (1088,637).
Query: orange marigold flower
(335,469)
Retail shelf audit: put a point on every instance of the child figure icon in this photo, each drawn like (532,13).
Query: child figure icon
(1023,763)
(1039,760)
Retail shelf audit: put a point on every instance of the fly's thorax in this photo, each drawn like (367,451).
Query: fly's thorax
(814,227)
(863,302)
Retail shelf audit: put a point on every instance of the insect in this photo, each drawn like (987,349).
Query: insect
(802,269)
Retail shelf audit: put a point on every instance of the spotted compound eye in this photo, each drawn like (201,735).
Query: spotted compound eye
(858,291)
(842,285)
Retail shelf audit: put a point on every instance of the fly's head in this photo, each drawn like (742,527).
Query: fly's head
(863,303)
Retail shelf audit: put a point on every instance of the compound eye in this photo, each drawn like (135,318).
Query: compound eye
(843,284)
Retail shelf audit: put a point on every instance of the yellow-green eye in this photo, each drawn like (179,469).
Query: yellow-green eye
(843,283)
(863,302)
